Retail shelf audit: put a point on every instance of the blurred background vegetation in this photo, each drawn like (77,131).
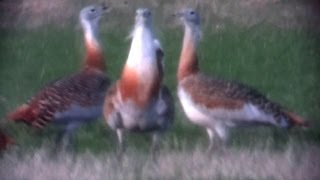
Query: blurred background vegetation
(215,13)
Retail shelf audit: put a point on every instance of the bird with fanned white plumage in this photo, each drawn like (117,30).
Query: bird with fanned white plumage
(138,101)
(216,104)
(76,99)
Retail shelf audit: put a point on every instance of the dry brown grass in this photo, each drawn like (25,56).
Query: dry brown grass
(292,163)
(287,14)
(36,13)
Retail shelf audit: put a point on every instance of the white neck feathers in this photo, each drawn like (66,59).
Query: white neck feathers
(142,53)
(192,32)
(90,33)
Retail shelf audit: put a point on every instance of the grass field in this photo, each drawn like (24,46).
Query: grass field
(282,63)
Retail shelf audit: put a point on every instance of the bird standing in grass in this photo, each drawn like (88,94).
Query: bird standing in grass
(73,100)
(217,104)
(139,101)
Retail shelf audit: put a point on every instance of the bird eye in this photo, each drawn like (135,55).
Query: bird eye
(192,12)
(93,10)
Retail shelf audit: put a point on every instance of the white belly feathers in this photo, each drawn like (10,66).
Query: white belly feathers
(201,115)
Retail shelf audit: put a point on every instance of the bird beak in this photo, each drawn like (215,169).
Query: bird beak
(105,8)
(178,14)
(173,16)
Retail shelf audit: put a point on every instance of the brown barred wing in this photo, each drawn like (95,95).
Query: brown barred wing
(215,92)
(84,89)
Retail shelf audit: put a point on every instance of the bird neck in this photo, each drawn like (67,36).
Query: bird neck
(142,53)
(188,63)
(94,55)
(141,72)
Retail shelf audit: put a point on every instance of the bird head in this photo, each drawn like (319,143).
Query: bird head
(189,17)
(90,15)
(143,16)
(191,20)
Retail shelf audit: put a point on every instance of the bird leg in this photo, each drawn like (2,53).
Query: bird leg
(122,146)
(217,143)
(65,138)
(155,146)
(211,140)
(222,132)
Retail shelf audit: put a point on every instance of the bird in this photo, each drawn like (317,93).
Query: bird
(74,100)
(216,104)
(138,101)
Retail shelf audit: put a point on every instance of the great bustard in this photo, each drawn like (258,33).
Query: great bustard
(76,99)
(139,101)
(217,104)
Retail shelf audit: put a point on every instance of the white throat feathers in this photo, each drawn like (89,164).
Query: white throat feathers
(193,33)
(90,29)
(142,55)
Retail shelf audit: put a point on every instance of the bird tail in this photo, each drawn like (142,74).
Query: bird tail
(22,113)
(296,119)
(5,141)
